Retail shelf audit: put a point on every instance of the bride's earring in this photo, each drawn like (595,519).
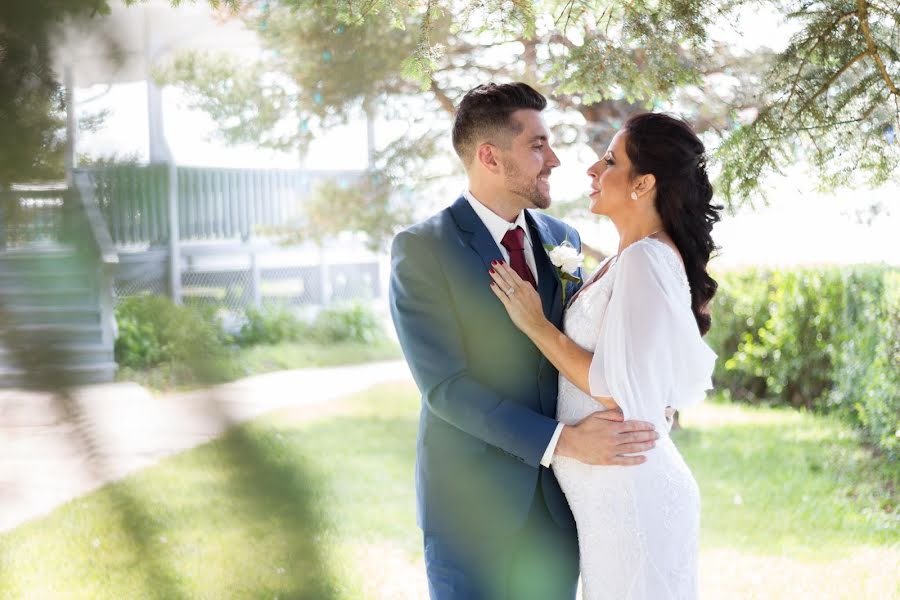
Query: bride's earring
(634,195)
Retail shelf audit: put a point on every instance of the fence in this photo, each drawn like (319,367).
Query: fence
(212,203)
(250,275)
(215,214)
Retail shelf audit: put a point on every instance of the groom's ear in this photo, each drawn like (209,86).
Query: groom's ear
(486,154)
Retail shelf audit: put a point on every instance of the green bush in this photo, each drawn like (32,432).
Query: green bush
(876,397)
(825,339)
(271,325)
(137,346)
(276,324)
(154,332)
(353,323)
(739,310)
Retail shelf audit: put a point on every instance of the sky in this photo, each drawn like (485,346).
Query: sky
(800,226)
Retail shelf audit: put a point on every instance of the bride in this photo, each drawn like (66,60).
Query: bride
(633,342)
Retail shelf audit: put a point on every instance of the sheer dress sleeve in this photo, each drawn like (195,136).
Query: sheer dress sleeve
(649,353)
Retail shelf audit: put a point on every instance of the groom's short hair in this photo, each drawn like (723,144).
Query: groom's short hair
(485,115)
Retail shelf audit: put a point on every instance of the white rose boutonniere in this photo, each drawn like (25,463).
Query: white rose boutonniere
(567,261)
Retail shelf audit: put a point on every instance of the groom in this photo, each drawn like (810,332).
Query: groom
(496,524)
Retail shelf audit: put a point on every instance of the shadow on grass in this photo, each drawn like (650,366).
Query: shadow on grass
(272,486)
(367,470)
(266,486)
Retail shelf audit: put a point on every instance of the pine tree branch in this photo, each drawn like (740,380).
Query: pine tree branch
(500,71)
(813,140)
(443,98)
(822,38)
(529,57)
(879,8)
(872,108)
(608,21)
(825,86)
(462,48)
(567,10)
(558,38)
(785,132)
(873,47)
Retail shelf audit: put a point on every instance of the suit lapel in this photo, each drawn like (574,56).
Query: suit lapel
(550,289)
(479,238)
(548,281)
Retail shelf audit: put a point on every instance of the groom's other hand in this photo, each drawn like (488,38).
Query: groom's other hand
(604,438)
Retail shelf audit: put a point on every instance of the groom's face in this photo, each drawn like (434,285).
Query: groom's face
(528,160)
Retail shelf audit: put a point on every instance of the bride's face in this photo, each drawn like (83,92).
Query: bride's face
(611,180)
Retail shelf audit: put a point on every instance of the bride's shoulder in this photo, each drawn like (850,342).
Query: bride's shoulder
(651,255)
(644,251)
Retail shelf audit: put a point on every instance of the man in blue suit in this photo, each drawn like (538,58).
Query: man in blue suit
(496,524)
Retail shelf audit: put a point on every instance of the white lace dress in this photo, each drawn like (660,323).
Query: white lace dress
(638,526)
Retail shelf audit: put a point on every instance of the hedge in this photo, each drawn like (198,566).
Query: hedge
(825,339)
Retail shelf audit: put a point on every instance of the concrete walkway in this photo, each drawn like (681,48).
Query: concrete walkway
(52,451)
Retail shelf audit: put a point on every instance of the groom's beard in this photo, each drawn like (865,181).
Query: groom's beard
(524,187)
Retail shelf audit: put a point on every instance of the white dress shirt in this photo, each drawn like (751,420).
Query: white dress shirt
(497,226)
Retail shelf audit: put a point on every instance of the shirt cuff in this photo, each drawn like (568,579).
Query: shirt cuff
(551,447)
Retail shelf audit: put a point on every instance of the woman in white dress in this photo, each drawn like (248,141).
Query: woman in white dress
(633,342)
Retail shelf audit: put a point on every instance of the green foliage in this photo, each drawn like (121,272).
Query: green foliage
(414,60)
(329,58)
(830,98)
(163,345)
(247,104)
(325,61)
(154,331)
(740,310)
(869,363)
(353,323)
(109,161)
(642,60)
(137,344)
(823,339)
(32,103)
(271,325)
(376,204)
(364,206)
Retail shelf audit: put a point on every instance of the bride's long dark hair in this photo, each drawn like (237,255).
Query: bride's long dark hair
(669,149)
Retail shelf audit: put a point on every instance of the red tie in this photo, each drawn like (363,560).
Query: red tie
(514,242)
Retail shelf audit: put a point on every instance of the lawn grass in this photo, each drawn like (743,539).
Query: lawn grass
(805,482)
(264,358)
(794,506)
(303,504)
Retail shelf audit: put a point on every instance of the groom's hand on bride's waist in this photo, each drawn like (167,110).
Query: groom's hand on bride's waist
(603,438)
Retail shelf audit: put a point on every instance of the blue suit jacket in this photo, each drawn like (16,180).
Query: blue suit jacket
(488,394)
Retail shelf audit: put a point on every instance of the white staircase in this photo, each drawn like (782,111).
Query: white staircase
(52,324)
(57,325)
